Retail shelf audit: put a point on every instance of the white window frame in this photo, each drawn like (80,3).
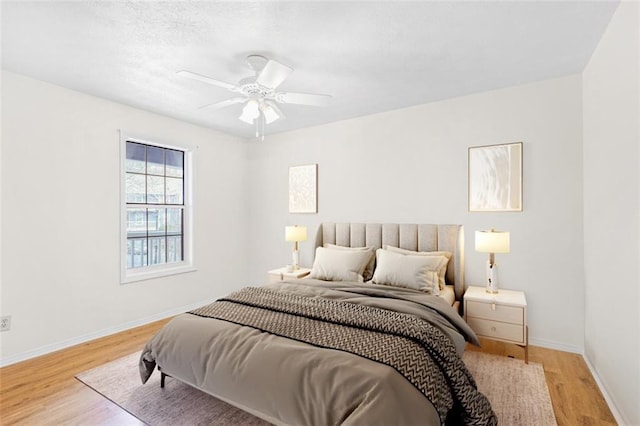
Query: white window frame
(129,275)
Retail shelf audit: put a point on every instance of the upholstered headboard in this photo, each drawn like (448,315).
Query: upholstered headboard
(417,237)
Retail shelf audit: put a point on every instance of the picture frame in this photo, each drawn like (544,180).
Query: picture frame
(495,178)
(303,189)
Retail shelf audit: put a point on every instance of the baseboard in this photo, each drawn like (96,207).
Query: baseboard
(550,344)
(43,350)
(620,419)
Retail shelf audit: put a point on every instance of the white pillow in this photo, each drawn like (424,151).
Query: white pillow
(442,273)
(410,271)
(367,274)
(340,265)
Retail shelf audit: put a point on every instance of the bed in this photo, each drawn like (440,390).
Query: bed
(351,351)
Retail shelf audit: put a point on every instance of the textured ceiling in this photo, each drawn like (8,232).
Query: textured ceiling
(370,56)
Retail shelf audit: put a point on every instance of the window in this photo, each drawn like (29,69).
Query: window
(156,210)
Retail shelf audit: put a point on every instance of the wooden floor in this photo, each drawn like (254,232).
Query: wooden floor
(575,396)
(44,391)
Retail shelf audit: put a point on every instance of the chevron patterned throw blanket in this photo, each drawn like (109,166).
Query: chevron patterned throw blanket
(413,347)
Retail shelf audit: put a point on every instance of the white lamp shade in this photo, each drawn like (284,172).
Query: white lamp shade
(270,114)
(250,112)
(492,241)
(295,233)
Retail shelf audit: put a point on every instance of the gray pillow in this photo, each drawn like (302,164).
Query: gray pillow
(442,273)
(367,274)
(340,265)
(409,271)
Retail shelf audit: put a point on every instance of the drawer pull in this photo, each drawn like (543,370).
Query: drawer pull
(493,306)
(493,329)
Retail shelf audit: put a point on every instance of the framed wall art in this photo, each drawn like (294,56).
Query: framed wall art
(495,178)
(303,189)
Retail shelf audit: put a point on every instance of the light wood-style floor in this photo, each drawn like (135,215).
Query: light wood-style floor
(575,396)
(44,391)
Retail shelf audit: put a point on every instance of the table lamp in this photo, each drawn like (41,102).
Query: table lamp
(492,242)
(295,234)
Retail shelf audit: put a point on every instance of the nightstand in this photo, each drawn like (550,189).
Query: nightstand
(499,316)
(281,274)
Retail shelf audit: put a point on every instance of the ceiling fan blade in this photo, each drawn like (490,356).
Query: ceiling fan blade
(273,74)
(225,103)
(208,80)
(303,98)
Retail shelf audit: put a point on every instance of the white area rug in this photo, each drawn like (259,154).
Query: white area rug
(517,391)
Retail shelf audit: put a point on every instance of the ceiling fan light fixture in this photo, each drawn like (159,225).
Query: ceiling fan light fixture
(246,119)
(250,112)
(270,114)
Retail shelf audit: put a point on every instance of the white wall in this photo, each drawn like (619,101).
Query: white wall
(61,217)
(611,211)
(59,270)
(410,165)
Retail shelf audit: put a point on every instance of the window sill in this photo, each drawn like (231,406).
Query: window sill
(131,276)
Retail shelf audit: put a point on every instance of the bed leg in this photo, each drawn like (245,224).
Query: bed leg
(162,377)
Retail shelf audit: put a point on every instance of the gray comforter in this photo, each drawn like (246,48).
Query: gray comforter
(290,382)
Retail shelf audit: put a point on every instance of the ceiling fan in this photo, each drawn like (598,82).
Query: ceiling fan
(259,94)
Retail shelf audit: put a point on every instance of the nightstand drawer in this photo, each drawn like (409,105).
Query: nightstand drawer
(497,330)
(495,312)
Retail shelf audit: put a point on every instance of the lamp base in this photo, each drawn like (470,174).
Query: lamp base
(296,260)
(491,281)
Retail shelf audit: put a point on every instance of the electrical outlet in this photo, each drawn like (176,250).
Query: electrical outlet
(5,323)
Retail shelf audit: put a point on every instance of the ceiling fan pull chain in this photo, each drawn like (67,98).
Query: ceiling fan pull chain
(258,127)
